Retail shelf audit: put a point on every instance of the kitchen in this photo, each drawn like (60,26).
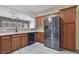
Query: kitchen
(23,30)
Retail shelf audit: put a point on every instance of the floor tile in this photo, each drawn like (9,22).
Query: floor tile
(39,48)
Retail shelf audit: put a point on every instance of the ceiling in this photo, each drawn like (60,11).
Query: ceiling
(32,10)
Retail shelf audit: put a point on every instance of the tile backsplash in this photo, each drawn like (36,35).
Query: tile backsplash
(20,29)
(14,29)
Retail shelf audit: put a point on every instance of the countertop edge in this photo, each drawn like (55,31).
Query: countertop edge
(15,33)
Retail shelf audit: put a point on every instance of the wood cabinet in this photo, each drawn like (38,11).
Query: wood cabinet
(24,40)
(68,19)
(39,37)
(69,37)
(40,21)
(68,15)
(10,43)
(5,44)
(16,42)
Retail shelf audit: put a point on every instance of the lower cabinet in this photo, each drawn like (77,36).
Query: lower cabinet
(5,44)
(24,40)
(12,42)
(15,42)
(39,36)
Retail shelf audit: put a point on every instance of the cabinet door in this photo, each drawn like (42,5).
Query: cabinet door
(68,15)
(24,40)
(37,36)
(42,20)
(5,44)
(64,37)
(69,37)
(16,42)
(38,22)
(40,37)
(61,36)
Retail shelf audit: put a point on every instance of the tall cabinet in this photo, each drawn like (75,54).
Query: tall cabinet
(40,21)
(68,18)
(39,36)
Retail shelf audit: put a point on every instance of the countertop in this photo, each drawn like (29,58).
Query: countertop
(12,33)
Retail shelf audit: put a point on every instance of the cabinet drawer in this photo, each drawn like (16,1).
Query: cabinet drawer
(16,42)
(23,35)
(5,37)
(15,35)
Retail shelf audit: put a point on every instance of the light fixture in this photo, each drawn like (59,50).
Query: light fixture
(13,17)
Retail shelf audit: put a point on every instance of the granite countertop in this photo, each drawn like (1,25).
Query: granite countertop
(12,33)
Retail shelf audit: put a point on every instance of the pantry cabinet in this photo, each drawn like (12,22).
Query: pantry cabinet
(5,44)
(68,26)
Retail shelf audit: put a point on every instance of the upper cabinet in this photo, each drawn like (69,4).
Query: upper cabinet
(68,15)
(40,21)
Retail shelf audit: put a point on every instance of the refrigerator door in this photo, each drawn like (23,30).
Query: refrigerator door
(47,30)
(47,43)
(55,39)
(47,34)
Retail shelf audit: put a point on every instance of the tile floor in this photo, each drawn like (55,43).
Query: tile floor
(39,48)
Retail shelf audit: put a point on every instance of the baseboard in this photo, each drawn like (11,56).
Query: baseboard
(77,51)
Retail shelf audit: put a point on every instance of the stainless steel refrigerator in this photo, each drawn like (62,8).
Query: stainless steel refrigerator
(52,32)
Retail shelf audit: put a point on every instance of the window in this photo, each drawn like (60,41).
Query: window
(18,24)
(6,24)
(11,24)
(25,25)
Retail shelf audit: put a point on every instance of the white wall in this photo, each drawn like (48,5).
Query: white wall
(9,13)
(77,30)
(32,24)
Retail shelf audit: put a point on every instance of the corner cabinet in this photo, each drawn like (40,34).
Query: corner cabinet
(39,37)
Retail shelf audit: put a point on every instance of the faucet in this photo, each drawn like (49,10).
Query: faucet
(16,29)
